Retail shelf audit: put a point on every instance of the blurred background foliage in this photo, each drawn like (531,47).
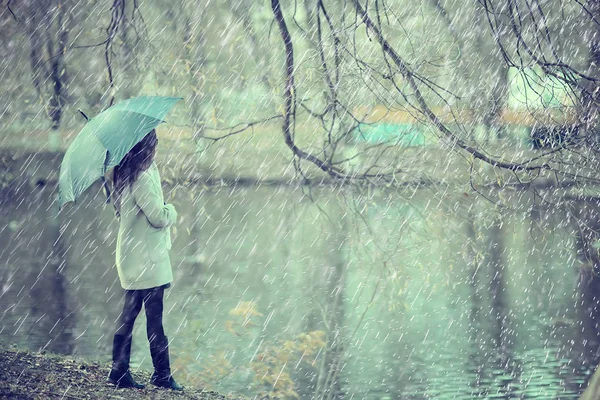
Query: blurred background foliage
(466,266)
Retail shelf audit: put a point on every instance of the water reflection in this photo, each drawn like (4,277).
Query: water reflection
(352,295)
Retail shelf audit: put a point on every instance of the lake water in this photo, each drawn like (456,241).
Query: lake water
(322,292)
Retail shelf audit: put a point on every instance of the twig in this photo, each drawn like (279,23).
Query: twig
(244,126)
(11,11)
(424,108)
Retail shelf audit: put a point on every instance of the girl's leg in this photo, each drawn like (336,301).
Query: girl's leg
(119,374)
(159,343)
(131,309)
(153,304)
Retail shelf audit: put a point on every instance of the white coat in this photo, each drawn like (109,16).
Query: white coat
(144,238)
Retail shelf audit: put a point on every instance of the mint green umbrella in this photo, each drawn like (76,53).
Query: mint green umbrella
(106,139)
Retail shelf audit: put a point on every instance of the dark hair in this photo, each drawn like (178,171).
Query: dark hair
(137,160)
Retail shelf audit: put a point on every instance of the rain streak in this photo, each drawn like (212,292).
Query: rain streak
(309,199)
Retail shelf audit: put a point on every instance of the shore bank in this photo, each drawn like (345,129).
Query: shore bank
(32,375)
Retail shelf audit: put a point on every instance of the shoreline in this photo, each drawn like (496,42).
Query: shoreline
(26,374)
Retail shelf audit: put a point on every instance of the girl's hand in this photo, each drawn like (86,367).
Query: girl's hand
(172,213)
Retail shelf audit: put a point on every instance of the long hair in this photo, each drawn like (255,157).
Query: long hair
(137,160)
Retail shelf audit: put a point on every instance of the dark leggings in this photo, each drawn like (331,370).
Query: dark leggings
(153,304)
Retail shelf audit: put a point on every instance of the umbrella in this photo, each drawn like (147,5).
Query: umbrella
(106,139)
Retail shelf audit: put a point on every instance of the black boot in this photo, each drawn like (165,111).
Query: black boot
(119,374)
(161,377)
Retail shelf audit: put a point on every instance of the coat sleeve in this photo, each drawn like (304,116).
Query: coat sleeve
(158,214)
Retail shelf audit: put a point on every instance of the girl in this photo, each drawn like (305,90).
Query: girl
(142,261)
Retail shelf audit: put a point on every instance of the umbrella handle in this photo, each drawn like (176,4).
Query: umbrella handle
(104,184)
(82,113)
(106,189)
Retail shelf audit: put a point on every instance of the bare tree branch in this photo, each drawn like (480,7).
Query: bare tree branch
(289,95)
(426,110)
(11,11)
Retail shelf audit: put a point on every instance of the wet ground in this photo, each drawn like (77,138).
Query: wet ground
(30,375)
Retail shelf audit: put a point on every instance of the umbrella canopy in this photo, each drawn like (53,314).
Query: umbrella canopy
(106,139)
